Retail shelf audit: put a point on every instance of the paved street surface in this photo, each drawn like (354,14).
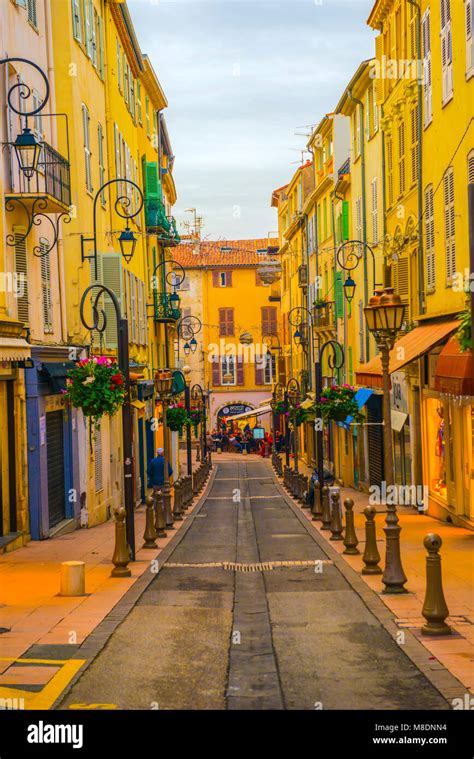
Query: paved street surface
(245,632)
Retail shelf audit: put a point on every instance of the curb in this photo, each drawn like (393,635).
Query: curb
(439,676)
(98,638)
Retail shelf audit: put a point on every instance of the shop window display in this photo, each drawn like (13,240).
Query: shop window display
(438,445)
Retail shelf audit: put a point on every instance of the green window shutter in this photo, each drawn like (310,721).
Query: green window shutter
(112,278)
(152,183)
(338,294)
(345,219)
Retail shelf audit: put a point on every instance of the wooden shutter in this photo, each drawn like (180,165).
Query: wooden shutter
(345,219)
(446,50)
(76,20)
(430,240)
(269,320)
(228,279)
(379,81)
(449,223)
(401,283)
(140,311)
(374,211)
(112,278)
(215,278)
(32,12)
(152,182)
(133,308)
(390,169)
(414,144)
(226,321)
(469,11)
(427,76)
(259,374)
(21,268)
(401,159)
(216,374)
(87,146)
(46,298)
(338,295)
(240,370)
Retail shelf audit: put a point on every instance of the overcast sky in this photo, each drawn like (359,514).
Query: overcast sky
(241,77)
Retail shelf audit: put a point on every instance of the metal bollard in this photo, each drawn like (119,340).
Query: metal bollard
(177,516)
(160,520)
(326,513)
(371,555)
(434,609)
(121,555)
(336,523)
(316,510)
(304,491)
(350,537)
(149,536)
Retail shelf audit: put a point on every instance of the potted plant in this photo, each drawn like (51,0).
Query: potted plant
(338,402)
(97,386)
(176,417)
(463,332)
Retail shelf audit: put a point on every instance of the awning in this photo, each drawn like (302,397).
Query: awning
(361,397)
(398,419)
(406,349)
(455,370)
(57,372)
(14,349)
(255,412)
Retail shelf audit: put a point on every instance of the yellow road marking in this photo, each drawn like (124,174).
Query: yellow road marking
(45,698)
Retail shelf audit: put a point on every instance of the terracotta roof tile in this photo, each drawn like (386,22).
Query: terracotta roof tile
(213,254)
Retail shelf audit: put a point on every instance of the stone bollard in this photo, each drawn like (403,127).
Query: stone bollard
(350,537)
(336,523)
(316,510)
(160,520)
(434,609)
(121,555)
(149,536)
(73,578)
(177,516)
(371,555)
(184,493)
(326,513)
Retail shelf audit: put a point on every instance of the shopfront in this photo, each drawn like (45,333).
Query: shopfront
(401,430)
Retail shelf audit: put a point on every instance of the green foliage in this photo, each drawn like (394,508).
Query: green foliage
(463,332)
(338,402)
(97,386)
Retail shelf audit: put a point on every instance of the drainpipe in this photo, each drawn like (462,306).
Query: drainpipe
(421,268)
(364,207)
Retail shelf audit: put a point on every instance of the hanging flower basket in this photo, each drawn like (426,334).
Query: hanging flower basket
(97,386)
(196,417)
(176,417)
(338,402)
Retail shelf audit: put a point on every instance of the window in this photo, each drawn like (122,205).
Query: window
(269,371)
(100,145)
(77,20)
(21,268)
(90,30)
(132,96)
(147,116)
(446,51)
(470,167)
(227,370)
(356,131)
(375,107)
(414,145)
(87,146)
(358,219)
(269,320)
(427,80)
(126,74)
(449,223)
(390,169)
(32,13)
(469,12)
(222,279)
(139,101)
(226,322)
(119,66)
(37,118)
(430,240)
(46,297)
(374,212)
(401,159)
(98,44)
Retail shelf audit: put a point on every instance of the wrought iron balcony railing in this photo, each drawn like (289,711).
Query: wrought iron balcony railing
(157,222)
(164,310)
(323,315)
(52,180)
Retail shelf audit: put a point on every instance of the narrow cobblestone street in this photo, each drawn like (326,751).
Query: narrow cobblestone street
(206,635)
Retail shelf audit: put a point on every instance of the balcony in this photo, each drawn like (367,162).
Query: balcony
(50,186)
(326,170)
(323,316)
(158,223)
(164,311)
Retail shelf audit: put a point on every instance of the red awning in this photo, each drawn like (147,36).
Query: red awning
(455,370)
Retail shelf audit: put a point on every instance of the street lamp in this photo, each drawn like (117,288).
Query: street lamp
(127,239)
(384,317)
(99,324)
(293,392)
(26,147)
(197,395)
(188,327)
(335,361)
(163,389)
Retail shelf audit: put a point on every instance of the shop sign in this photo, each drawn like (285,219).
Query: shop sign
(233,409)
(399,392)
(54,403)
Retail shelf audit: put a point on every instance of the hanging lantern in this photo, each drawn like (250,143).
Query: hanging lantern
(128,243)
(27,151)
